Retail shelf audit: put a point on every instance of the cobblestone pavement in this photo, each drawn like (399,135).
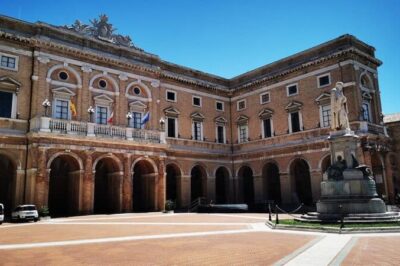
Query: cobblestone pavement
(185,239)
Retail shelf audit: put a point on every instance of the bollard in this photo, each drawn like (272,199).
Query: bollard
(276,215)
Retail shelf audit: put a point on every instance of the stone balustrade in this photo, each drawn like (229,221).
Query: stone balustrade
(70,127)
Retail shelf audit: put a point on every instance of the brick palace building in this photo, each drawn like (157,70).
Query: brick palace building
(72,99)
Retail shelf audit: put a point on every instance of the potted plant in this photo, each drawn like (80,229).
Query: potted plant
(44,213)
(169,206)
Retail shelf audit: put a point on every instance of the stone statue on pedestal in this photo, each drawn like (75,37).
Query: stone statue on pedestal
(339,118)
(349,190)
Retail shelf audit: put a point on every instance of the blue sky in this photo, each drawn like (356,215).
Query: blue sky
(228,38)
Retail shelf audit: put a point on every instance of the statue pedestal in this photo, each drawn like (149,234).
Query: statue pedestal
(350,191)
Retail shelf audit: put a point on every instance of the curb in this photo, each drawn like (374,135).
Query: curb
(334,230)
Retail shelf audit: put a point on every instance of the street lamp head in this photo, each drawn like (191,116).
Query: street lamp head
(46,103)
(129,115)
(162,121)
(90,110)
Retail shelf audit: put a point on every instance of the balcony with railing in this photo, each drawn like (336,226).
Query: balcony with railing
(70,127)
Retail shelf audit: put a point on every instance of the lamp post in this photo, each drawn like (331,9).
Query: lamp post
(46,104)
(90,110)
(162,123)
(129,117)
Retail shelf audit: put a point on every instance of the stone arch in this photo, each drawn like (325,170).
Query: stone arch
(219,166)
(8,176)
(115,159)
(13,157)
(71,69)
(300,176)
(246,191)
(295,158)
(152,163)
(378,170)
(271,181)
(222,184)
(57,154)
(106,76)
(108,174)
(144,185)
(65,176)
(173,180)
(324,163)
(198,181)
(140,85)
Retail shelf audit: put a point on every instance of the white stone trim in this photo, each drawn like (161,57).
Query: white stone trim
(63,66)
(141,85)
(201,130)
(176,126)
(291,85)
(224,132)
(223,106)
(137,98)
(178,88)
(290,121)
(106,92)
(321,76)
(245,105)
(174,92)
(262,127)
(201,101)
(15,50)
(94,67)
(269,97)
(108,78)
(16,58)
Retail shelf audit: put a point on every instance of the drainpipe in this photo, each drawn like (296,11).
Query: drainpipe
(29,126)
(232,162)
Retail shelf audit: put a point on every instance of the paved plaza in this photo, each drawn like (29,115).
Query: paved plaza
(186,239)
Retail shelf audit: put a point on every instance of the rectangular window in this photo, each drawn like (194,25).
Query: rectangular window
(241,105)
(292,90)
(136,120)
(6,104)
(196,101)
(243,133)
(197,131)
(171,96)
(101,115)
(326,115)
(171,128)
(324,80)
(219,106)
(295,121)
(220,134)
(365,112)
(267,128)
(264,98)
(61,111)
(9,62)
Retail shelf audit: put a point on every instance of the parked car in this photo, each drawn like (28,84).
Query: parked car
(25,212)
(1,213)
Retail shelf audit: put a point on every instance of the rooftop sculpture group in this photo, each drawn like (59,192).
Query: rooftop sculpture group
(101,29)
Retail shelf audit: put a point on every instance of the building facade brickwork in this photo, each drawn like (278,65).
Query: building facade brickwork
(256,137)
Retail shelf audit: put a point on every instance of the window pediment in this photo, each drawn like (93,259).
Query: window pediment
(171,111)
(293,106)
(137,105)
(242,119)
(103,99)
(63,93)
(9,83)
(265,113)
(323,99)
(220,120)
(197,116)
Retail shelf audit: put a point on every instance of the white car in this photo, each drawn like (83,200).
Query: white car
(1,213)
(25,212)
